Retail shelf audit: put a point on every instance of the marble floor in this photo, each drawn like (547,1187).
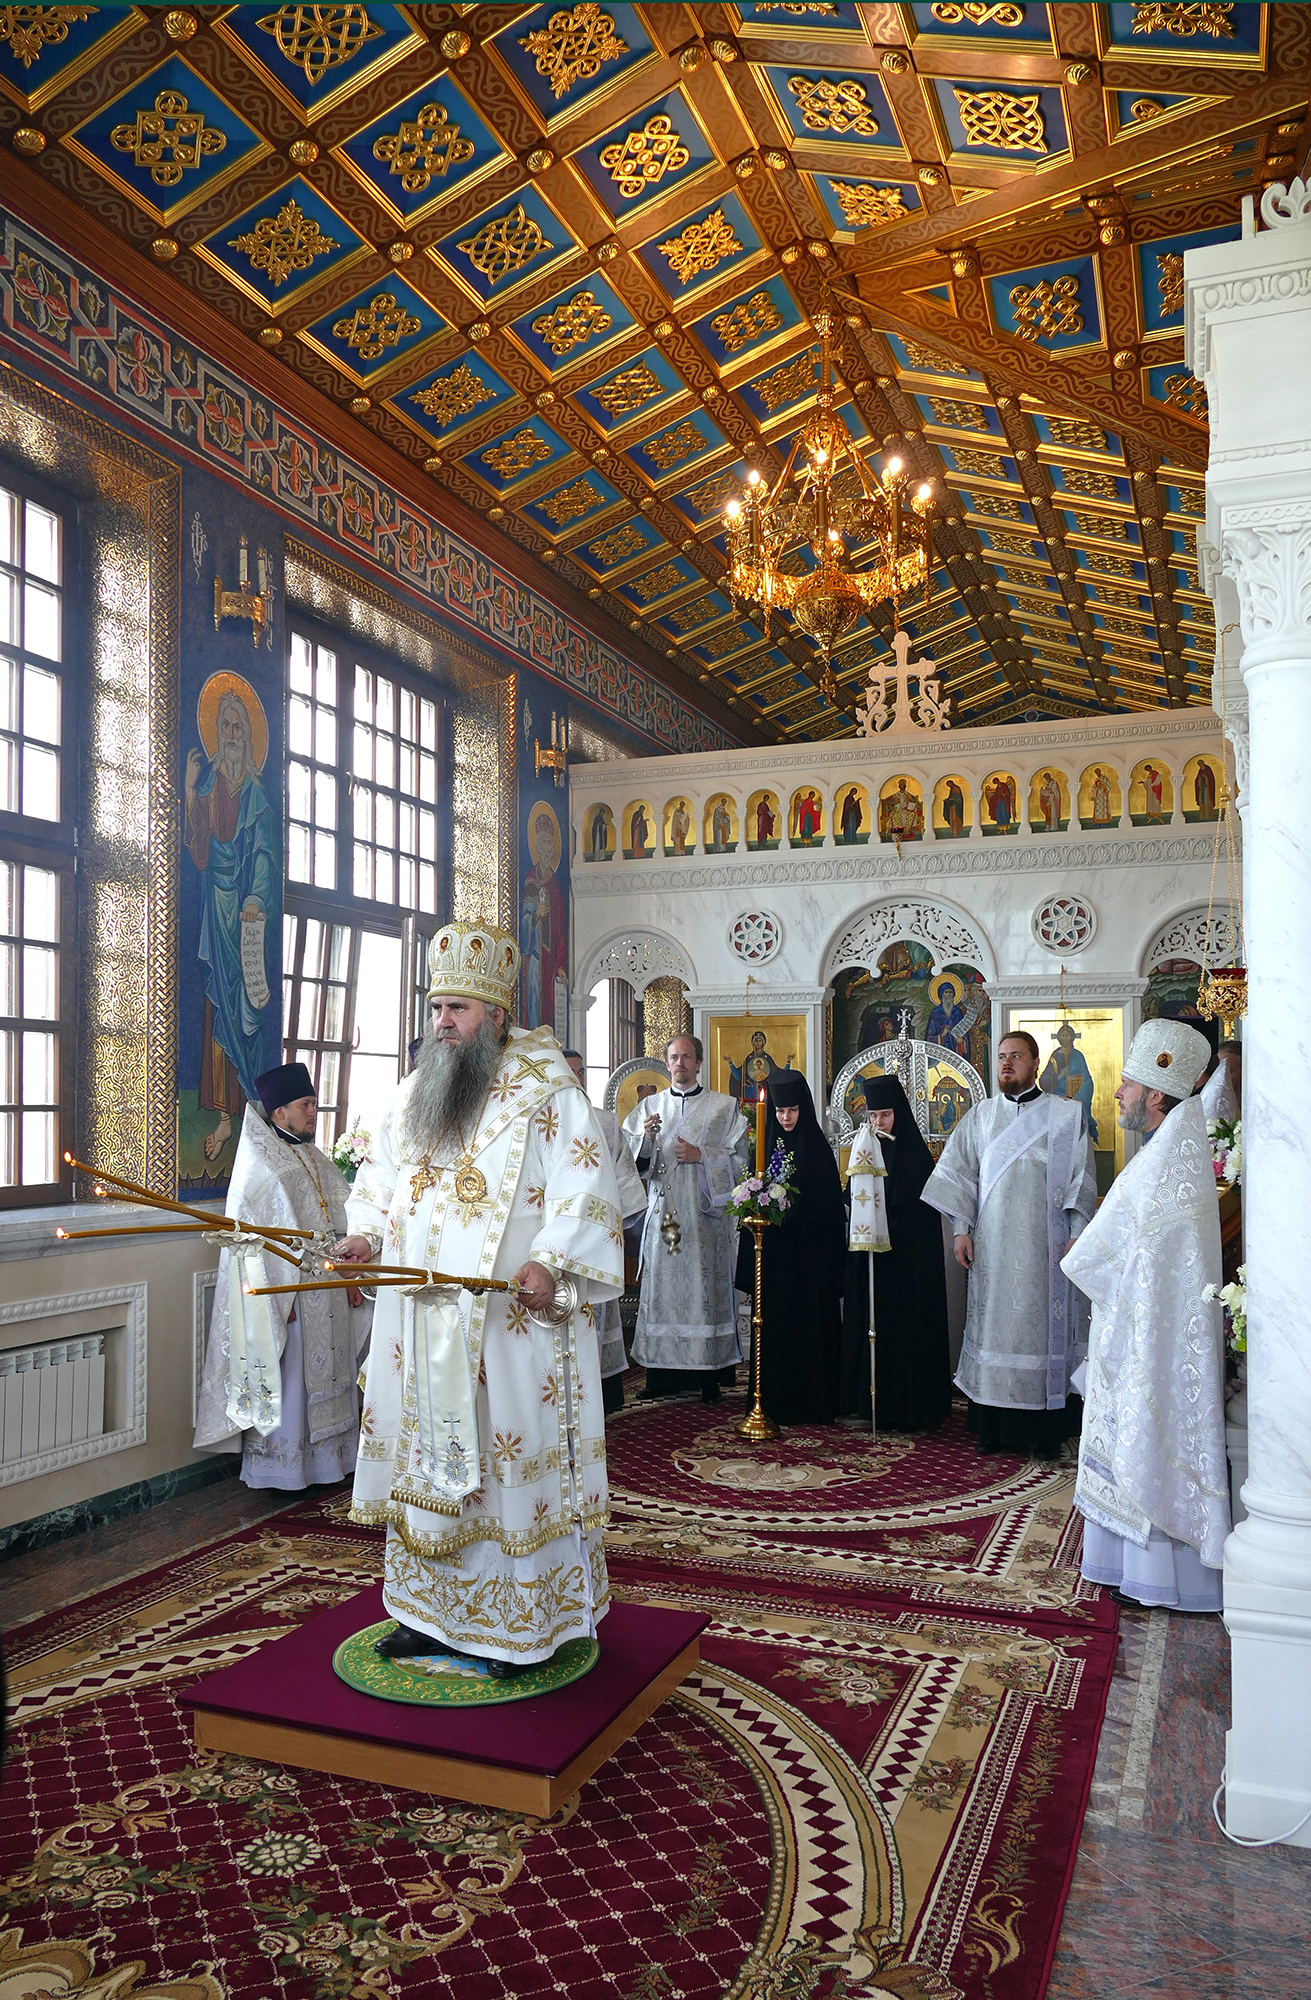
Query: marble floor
(1162,1907)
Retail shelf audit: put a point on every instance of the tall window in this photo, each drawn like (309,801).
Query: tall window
(614,1033)
(366,747)
(36,849)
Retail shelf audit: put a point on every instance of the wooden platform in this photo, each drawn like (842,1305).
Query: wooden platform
(285,1705)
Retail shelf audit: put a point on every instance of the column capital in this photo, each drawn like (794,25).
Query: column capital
(1267,550)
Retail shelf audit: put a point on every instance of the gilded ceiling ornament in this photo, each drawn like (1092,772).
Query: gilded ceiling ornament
(372,329)
(1113,565)
(962,416)
(784,385)
(573,323)
(1109,526)
(1093,485)
(674,446)
(571,502)
(994,118)
(456,395)
(720,643)
(628,390)
(920,356)
(1076,434)
(1011,545)
(1143,109)
(998,504)
(1049,308)
(30,31)
(689,616)
(1170,277)
(282,243)
(317,39)
(711,494)
(1185,18)
(746,321)
(658,582)
(841,108)
(701,246)
(866,207)
(976,464)
(423,146)
(645,157)
(617,546)
(1184,392)
(1192,499)
(505,244)
(168,139)
(1125,599)
(977,13)
(516,454)
(796,7)
(572,46)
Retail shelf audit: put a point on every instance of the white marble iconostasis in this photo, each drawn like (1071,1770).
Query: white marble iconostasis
(1082,915)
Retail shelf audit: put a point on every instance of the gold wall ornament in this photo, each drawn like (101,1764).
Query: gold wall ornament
(978,13)
(643,159)
(920,356)
(1184,392)
(748,320)
(30,31)
(797,8)
(282,243)
(794,379)
(1170,277)
(1109,526)
(360,405)
(839,107)
(422,147)
(505,244)
(456,395)
(1047,309)
(1113,565)
(454,44)
(1186,18)
(573,45)
(570,503)
(164,249)
(658,582)
(1144,109)
(317,39)
(28,140)
(303,152)
(1092,485)
(866,207)
(1192,499)
(962,416)
(674,446)
(168,139)
(994,118)
(269,336)
(977,464)
(1076,434)
(711,493)
(516,454)
(999,505)
(688,616)
(1011,545)
(179,26)
(372,329)
(701,246)
(573,323)
(617,546)
(628,390)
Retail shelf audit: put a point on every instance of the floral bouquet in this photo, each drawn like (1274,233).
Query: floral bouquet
(767,1196)
(352,1149)
(1233,1298)
(1226,1136)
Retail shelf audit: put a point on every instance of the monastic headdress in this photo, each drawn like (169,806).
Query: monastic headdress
(1167,1055)
(476,960)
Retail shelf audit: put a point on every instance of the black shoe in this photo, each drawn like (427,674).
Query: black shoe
(710,1393)
(508,1670)
(407,1644)
(654,1395)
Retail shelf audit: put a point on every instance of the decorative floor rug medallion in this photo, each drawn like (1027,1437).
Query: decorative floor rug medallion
(444,1680)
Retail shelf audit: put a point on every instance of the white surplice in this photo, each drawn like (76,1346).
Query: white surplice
(1020,1179)
(687,1314)
(317,1336)
(632,1202)
(483,1439)
(1152,1463)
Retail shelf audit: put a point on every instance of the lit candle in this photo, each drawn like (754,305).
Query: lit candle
(242,572)
(760,1131)
(263,562)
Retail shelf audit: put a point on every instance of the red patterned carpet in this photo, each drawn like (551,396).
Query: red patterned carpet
(874,1785)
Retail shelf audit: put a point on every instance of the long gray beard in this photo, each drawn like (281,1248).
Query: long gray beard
(451,1081)
(1134,1118)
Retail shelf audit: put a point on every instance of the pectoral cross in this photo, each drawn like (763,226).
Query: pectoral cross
(530,1067)
(420,1182)
(457,1458)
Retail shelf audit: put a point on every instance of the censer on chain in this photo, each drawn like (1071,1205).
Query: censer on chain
(671,1229)
(1222,990)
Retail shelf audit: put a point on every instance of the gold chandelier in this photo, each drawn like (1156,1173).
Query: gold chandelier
(831,500)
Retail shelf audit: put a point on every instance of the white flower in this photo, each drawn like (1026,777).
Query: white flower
(279,1854)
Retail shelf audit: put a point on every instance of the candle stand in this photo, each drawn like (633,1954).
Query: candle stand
(755,1425)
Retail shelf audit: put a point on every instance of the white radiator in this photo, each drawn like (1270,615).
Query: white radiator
(51,1395)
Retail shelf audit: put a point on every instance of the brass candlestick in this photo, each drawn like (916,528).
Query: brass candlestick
(755,1424)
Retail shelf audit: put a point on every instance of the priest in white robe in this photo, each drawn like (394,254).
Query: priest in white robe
(483,1440)
(632,1203)
(1017,1178)
(283,1393)
(691,1145)
(1153,1484)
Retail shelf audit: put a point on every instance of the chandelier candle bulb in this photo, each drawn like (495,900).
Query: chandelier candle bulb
(761,1105)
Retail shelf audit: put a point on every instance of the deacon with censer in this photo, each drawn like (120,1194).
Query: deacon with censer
(483,1440)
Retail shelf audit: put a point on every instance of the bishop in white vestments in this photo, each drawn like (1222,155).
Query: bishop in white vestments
(691,1143)
(1017,1178)
(283,1391)
(632,1203)
(1153,1484)
(483,1440)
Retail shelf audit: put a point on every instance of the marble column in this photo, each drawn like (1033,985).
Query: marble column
(1249,340)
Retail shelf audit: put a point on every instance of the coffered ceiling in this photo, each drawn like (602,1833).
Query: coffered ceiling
(565,260)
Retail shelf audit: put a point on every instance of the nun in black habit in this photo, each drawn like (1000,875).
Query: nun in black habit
(912,1356)
(805,1257)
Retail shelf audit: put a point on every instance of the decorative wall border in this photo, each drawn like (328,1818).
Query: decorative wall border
(57,312)
(132,1377)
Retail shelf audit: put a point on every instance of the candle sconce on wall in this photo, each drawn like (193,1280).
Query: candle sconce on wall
(556,758)
(254,605)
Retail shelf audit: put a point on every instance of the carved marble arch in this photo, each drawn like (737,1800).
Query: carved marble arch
(1189,935)
(639,956)
(952,937)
